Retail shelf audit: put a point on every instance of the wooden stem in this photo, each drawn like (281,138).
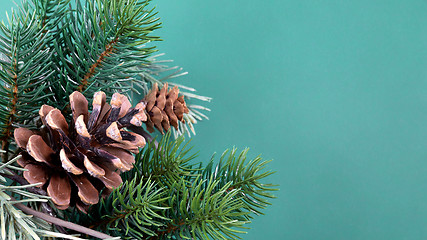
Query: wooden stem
(61,222)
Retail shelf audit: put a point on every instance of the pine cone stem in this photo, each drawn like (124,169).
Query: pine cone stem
(61,222)
(145,134)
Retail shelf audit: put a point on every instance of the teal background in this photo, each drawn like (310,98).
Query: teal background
(334,91)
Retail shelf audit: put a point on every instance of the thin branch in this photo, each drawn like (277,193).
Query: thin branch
(45,206)
(108,50)
(22,181)
(170,228)
(7,133)
(61,222)
(146,135)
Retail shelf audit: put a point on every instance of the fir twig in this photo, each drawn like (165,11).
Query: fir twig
(92,70)
(101,43)
(167,163)
(245,175)
(24,63)
(192,202)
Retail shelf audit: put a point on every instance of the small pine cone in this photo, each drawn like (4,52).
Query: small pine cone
(164,108)
(75,161)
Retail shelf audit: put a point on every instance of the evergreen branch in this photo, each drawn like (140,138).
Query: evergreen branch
(24,64)
(50,13)
(92,70)
(233,174)
(202,212)
(138,207)
(100,45)
(165,164)
(61,222)
(180,201)
(22,181)
(246,176)
(132,211)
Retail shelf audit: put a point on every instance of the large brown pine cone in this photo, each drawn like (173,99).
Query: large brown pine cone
(164,108)
(75,161)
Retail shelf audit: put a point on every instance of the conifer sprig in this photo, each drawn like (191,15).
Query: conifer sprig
(167,163)
(137,209)
(202,211)
(24,66)
(49,49)
(102,43)
(165,196)
(49,13)
(245,175)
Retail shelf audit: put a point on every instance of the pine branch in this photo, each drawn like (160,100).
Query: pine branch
(132,211)
(181,201)
(202,211)
(24,64)
(101,43)
(50,13)
(233,184)
(92,70)
(246,176)
(62,222)
(48,51)
(166,163)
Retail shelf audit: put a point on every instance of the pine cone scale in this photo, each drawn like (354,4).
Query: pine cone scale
(39,150)
(68,165)
(79,106)
(111,179)
(59,190)
(81,128)
(140,117)
(35,174)
(56,121)
(99,100)
(113,160)
(44,110)
(22,135)
(93,169)
(119,107)
(86,191)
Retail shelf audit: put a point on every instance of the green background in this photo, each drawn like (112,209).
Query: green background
(334,91)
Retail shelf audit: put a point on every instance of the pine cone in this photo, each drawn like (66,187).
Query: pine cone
(164,108)
(74,162)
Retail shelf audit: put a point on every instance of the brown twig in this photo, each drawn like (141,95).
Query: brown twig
(169,229)
(61,222)
(49,218)
(92,70)
(142,132)
(7,133)
(22,181)
(45,206)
